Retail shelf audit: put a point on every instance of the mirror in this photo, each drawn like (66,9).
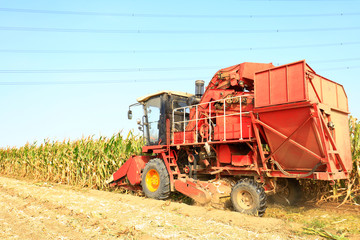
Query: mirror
(129,114)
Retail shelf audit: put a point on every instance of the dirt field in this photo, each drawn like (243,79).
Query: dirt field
(30,210)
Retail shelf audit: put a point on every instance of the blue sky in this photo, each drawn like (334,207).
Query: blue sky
(152,45)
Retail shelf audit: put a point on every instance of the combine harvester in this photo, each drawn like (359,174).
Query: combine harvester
(255,131)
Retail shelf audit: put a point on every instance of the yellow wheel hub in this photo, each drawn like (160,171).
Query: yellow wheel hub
(152,180)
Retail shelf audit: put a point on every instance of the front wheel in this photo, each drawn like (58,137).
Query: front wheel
(155,180)
(249,197)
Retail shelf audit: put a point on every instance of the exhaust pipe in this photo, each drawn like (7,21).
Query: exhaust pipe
(199,88)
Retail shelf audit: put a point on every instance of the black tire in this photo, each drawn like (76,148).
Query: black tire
(155,180)
(290,192)
(248,196)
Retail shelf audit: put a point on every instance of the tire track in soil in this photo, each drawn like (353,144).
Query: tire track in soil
(33,211)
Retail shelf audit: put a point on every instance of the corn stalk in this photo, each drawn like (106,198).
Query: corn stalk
(87,162)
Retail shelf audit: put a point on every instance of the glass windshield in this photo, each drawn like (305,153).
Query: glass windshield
(153,114)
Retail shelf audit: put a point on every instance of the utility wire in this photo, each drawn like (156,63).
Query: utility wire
(160,15)
(339,68)
(108,70)
(111,70)
(21,83)
(335,60)
(153,31)
(67,51)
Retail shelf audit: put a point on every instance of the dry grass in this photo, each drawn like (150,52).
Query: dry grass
(327,221)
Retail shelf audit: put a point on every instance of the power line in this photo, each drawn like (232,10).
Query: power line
(340,68)
(76,82)
(67,51)
(154,69)
(336,60)
(22,83)
(157,15)
(129,31)
(108,70)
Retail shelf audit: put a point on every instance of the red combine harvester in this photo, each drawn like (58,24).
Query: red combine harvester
(255,131)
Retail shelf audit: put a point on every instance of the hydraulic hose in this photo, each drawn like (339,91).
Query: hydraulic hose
(297,175)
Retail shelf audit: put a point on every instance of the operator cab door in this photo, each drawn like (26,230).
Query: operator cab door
(153,116)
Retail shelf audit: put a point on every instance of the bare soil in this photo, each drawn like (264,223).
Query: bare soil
(31,210)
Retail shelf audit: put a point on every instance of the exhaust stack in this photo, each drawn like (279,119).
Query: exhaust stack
(199,88)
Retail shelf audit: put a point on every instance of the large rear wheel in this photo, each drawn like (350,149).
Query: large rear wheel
(288,192)
(155,180)
(249,197)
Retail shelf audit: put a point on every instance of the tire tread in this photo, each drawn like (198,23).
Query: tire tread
(262,198)
(164,189)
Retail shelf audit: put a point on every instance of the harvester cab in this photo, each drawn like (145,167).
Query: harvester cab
(256,130)
(158,108)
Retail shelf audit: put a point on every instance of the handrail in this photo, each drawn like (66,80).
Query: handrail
(208,118)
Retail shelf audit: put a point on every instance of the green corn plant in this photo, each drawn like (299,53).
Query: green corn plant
(87,162)
(355,145)
(354,126)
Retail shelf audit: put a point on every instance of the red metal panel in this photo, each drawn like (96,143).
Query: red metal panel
(278,86)
(315,89)
(296,81)
(262,89)
(192,190)
(132,169)
(286,122)
(342,99)
(232,153)
(325,91)
(329,91)
(134,172)
(179,137)
(281,85)
(224,153)
(121,172)
(241,160)
(342,137)
(233,128)
(300,137)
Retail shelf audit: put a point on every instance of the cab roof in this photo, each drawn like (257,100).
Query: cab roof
(147,97)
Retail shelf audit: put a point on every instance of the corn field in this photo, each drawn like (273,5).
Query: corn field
(87,162)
